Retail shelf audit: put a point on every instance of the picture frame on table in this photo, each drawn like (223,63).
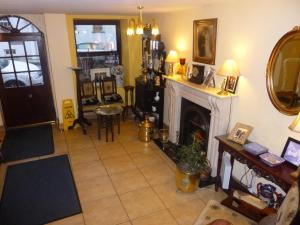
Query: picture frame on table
(231,84)
(98,73)
(240,133)
(291,152)
(209,78)
(204,43)
(197,74)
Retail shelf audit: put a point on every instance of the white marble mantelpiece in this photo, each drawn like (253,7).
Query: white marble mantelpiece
(207,97)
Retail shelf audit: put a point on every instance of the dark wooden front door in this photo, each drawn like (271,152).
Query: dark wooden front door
(25,88)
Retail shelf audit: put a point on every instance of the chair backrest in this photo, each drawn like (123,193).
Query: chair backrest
(108,86)
(88,89)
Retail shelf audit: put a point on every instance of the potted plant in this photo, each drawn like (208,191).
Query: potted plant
(191,162)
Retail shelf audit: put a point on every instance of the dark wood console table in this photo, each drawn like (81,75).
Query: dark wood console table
(279,175)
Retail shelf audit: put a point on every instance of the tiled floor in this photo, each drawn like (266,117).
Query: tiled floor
(125,182)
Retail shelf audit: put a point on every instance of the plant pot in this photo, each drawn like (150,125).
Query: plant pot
(187,182)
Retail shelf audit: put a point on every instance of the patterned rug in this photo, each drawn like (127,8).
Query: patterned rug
(214,210)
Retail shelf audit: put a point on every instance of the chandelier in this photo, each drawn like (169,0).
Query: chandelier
(138,27)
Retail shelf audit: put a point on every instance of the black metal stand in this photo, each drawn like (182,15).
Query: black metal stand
(81,120)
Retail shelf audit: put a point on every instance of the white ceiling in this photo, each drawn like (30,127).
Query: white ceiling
(97,6)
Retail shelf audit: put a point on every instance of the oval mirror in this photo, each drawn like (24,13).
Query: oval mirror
(283,73)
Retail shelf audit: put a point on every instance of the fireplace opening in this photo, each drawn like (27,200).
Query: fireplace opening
(194,119)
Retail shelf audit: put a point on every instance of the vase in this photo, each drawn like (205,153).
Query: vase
(156,98)
(187,182)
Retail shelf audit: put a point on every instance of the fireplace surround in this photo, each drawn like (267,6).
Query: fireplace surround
(206,97)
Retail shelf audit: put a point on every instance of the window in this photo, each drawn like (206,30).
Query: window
(98,43)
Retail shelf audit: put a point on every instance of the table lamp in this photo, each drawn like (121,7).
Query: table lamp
(228,69)
(172,58)
(295,126)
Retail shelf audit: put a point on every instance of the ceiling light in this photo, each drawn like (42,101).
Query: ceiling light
(138,27)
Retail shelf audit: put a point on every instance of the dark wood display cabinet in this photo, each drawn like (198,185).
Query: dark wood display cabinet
(147,102)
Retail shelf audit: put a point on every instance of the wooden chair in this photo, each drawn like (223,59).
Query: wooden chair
(89,95)
(108,91)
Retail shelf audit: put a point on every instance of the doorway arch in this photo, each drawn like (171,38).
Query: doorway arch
(25,88)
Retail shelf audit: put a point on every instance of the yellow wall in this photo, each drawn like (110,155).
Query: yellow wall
(131,46)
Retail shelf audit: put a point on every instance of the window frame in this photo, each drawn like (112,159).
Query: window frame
(99,22)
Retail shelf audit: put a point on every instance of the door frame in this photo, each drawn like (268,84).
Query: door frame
(40,38)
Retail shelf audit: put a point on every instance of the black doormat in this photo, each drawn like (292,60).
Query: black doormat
(39,192)
(27,142)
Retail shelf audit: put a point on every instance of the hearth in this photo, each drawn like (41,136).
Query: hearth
(194,120)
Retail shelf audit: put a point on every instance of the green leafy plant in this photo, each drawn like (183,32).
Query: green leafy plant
(192,158)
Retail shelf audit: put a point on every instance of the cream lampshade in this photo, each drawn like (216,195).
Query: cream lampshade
(228,69)
(172,58)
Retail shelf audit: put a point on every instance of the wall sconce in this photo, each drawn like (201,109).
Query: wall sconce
(172,58)
(228,69)
(138,28)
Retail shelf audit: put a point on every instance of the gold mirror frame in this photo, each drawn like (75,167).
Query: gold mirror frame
(270,70)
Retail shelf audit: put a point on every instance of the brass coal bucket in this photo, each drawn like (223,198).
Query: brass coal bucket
(145,130)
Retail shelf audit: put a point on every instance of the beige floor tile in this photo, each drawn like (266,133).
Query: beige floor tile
(83,171)
(74,133)
(162,217)
(112,150)
(209,193)
(60,146)
(128,181)
(136,146)
(79,143)
(187,213)
(89,155)
(105,211)
(127,223)
(58,135)
(145,159)
(171,196)
(118,164)
(72,220)
(158,173)
(141,202)
(95,188)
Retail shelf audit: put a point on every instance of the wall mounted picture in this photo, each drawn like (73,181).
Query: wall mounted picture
(204,44)
(98,73)
(240,133)
(231,84)
(291,151)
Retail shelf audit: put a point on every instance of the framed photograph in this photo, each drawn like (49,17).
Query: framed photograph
(197,75)
(98,73)
(209,77)
(204,44)
(231,84)
(240,133)
(291,151)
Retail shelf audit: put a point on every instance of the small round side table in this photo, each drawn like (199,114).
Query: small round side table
(107,114)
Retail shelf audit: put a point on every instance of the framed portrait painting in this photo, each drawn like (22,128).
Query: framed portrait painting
(204,44)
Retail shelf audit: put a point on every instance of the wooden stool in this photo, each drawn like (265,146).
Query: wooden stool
(107,113)
(130,89)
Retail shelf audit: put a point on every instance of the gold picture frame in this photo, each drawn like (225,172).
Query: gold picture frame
(240,133)
(204,43)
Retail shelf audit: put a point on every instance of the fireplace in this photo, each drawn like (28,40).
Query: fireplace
(213,113)
(194,119)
